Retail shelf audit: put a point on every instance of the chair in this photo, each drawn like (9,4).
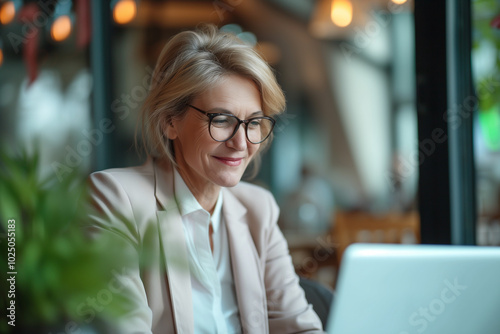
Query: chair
(319,297)
(352,227)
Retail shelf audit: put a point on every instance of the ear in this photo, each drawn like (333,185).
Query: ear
(170,130)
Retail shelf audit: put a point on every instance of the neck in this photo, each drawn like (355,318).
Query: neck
(206,194)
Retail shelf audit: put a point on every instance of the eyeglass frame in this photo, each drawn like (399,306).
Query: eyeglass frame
(212,115)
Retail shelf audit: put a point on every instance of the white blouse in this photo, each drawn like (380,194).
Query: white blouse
(215,306)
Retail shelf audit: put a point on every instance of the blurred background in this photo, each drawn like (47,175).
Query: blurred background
(350,162)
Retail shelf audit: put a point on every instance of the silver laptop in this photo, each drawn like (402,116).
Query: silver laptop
(412,289)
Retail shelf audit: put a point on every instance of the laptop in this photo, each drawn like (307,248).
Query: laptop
(413,289)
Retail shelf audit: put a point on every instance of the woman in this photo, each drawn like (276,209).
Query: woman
(222,265)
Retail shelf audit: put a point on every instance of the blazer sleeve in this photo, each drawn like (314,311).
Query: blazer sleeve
(111,215)
(288,310)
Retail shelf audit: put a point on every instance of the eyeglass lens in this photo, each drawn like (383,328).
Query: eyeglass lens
(223,127)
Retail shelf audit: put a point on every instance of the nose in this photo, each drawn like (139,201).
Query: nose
(239,140)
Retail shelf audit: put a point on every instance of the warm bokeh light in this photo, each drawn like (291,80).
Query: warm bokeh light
(124,11)
(7,12)
(1,57)
(61,28)
(341,13)
(399,2)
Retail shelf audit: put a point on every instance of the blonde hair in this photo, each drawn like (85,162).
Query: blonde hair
(190,63)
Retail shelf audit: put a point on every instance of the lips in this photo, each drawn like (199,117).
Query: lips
(230,161)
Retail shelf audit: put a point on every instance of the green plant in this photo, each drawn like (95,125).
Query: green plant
(486,45)
(57,267)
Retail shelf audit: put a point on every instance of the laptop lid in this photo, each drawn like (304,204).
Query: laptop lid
(412,289)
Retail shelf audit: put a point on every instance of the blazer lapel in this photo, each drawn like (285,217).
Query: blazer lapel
(174,250)
(247,275)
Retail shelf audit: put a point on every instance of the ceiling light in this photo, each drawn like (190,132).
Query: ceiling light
(61,28)
(341,12)
(124,11)
(7,12)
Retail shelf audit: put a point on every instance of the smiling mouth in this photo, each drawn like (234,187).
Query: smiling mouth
(230,161)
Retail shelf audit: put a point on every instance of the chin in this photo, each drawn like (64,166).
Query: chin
(229,181)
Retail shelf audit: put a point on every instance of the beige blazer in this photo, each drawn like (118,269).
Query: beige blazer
(137,204)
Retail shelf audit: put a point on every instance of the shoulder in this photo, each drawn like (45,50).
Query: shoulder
(255,198)
(138,176)
(120,187)
(123,198)
(246,191)
(136,172)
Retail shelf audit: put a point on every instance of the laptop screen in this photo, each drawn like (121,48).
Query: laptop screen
(411,289)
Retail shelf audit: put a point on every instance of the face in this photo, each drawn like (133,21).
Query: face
(204,162)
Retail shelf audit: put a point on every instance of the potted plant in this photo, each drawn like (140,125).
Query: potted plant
(53,278)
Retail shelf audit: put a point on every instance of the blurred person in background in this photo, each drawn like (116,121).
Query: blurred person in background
(221,264)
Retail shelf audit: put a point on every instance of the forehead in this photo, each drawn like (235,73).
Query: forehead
(233,92)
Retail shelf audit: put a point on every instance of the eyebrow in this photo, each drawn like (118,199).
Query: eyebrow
(225,111)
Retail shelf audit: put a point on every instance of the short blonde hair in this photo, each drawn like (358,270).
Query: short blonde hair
(190,63)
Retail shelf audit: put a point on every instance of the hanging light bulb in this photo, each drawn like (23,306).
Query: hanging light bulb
(124,11)
(62,25)
(399,2)
(7,12)
(341,13)
(61,28)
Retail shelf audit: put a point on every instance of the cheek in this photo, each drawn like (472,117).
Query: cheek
(199,142)
(253,149)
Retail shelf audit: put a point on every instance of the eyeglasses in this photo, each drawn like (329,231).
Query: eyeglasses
(222,127)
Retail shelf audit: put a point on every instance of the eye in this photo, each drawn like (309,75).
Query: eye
(254,123)
(222,121)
